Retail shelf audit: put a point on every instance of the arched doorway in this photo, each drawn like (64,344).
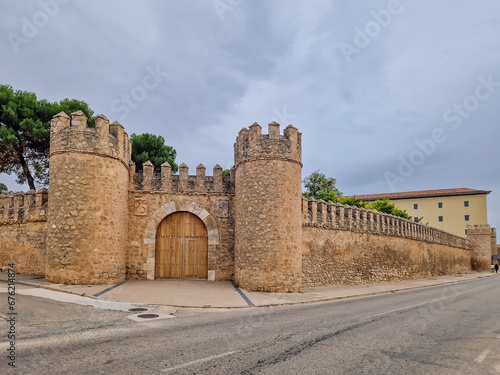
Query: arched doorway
(181,250)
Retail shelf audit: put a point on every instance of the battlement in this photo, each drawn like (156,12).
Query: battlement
(72,135)
(251,144)
(337,216)
(165,181)
(479,229)
(23,207)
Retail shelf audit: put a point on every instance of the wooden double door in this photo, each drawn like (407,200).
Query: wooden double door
(181,250)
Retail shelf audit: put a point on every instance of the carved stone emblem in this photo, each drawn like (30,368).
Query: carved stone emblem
(222,208)
(141,206)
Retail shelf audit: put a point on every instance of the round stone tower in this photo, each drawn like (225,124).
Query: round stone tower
(482,238)
(268,221)
(87,222)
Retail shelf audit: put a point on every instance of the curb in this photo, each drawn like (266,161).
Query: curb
(49,287)
(321,299)
(389,291)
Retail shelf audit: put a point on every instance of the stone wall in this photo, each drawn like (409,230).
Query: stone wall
(23,244)
(152,197)
(23,207)
(347,245)
(335,257)
(100,223)
(167,182)
(493,241)
(23,230)
(335,215)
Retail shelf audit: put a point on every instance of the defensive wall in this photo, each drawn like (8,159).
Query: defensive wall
(152,197)
(23,228)
(99,222)
(351,245)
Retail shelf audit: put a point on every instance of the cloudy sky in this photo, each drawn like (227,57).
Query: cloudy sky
(389,95)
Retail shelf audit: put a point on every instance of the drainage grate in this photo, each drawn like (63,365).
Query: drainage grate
(148,316)
(138,309)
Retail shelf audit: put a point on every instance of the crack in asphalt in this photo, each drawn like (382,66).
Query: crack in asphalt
(297,349)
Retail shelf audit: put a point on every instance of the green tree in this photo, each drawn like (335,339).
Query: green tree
(3,187)
(352,201)
(25,133)
(319,186)
(402,213)
(385,205)
(152,147)
(226,173)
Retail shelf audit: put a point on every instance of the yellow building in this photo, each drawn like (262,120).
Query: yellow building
(447,209)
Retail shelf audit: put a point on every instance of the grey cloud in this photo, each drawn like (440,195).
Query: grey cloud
(268,57)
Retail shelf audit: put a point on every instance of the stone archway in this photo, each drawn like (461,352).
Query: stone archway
(195,209)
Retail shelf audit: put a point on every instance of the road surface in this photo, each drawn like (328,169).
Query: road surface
(449,329)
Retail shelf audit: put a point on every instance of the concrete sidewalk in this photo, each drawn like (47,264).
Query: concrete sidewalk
(223,294)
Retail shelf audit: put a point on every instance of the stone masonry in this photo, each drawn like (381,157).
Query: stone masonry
(23,223)
(99,221)
(87,227)
(268,219)
(482,238)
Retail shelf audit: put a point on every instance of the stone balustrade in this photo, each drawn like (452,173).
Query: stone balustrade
(337,216)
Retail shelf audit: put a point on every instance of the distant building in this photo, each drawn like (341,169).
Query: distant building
(447,209)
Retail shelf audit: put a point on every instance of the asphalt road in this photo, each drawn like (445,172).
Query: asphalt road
(450,329)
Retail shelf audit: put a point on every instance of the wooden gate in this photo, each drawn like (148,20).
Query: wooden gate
(181,247)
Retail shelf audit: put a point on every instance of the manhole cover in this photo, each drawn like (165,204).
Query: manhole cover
(148,316)
(138,309)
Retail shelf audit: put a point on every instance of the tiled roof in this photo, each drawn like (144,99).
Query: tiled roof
(423,194)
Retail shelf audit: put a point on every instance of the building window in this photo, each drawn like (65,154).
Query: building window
(440,218)
(466,203)
(466,232)
(466,217)
(440,205)
(415,206)
(415,219)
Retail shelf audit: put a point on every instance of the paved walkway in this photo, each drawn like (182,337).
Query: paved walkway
(221,294)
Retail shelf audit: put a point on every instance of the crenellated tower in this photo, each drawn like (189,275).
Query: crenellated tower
(482,237)
(87,222)
(268,217)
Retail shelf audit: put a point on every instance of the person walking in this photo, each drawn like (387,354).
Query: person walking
(496,267)
(492,268)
